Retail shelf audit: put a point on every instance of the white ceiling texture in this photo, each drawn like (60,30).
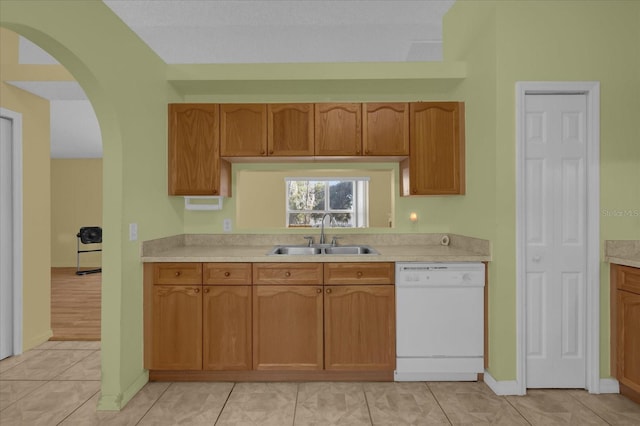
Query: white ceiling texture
(247,31)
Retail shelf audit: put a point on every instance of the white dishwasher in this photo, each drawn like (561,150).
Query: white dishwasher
(439,321)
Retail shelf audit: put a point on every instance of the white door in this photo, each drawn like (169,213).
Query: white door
(556,239)
(6,239)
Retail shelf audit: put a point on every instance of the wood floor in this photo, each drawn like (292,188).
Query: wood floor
(75,305)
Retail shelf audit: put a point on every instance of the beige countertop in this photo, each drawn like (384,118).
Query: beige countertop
(254,248)
(623,252)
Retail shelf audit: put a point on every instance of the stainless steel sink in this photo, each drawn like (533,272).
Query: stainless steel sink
(296,250)
(350,250)
(319,249)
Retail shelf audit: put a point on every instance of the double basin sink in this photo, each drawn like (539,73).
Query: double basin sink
(320,249)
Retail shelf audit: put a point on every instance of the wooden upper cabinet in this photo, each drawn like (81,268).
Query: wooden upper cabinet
(436,163)
(243,130)
(338,129)
(195,167)
(290,130)
(385,129)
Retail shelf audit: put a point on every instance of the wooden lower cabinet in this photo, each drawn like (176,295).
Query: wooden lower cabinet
(226,334)
(359,327)
(248,321)
(626,329)
(176,328)
(287,327)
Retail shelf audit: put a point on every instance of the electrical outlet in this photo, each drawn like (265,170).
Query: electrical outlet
(133,232)
(226,225)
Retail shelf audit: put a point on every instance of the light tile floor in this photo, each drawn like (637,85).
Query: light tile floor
(58,384)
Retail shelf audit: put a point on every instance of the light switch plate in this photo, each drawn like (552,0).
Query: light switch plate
(226,225)
(133,232)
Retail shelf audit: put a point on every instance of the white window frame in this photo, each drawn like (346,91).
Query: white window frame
(359,211)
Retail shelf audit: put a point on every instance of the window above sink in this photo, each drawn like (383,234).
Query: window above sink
(261,193)
(346,199)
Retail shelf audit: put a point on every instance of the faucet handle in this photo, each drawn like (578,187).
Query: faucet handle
(334,241)
(310,238)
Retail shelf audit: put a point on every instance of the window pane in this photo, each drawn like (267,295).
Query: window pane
(306,195)
(342,220)
(341,195)
(299,219)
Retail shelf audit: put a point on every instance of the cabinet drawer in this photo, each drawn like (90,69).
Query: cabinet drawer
(359,273)
(177,273)
(227,273)
(629,279)
(287,273)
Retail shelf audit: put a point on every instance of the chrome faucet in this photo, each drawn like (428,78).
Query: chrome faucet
(322,227)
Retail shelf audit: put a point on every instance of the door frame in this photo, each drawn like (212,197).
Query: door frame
(16,163)
(591,89)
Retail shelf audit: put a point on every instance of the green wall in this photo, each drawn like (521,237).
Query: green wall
(545,41)
(501,43)
(126,84)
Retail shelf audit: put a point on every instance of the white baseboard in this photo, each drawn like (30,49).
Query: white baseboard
(504,387)
(511,387)
(609,386)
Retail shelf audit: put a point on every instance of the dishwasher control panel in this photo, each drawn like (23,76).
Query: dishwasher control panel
(440,274)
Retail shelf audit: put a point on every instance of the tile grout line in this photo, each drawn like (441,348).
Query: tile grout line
(295,407)
(588,408)
(435,398)
(55,378)
(28,393)
(366,401)
(154,403)
(78,407)
(516,408)
(225,404)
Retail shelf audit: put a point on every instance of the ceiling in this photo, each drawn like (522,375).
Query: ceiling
(246,31)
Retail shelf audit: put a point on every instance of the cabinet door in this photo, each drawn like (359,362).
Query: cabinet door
(436,163)
(628,340)
(194,155)
(287,327)
(385,129)
(226,327)
(176,328)
(243,130)
(338,129)
(290,129)
(359,324)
